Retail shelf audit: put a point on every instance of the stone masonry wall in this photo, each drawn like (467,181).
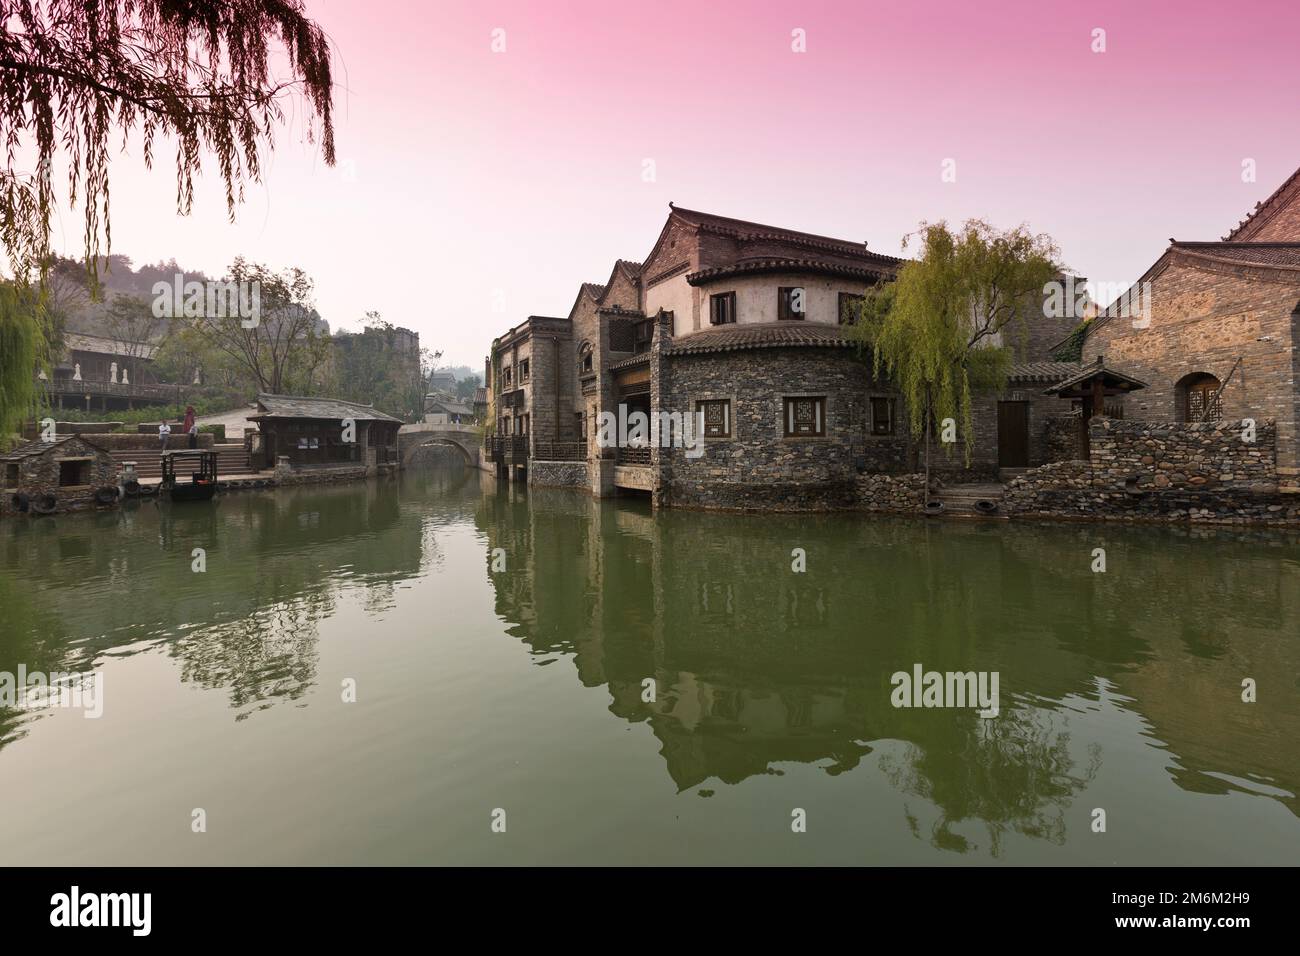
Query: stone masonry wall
(757,467)
(891,494)
(39,475)
(1198,455)
(1201,472)
(558,474)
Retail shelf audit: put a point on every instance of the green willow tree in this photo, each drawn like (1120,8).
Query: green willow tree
(78,76)
(22,351)
(941,330)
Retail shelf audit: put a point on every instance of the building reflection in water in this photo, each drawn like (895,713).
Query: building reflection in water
(757,666)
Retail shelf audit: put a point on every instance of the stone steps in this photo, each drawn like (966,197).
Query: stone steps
(231,459)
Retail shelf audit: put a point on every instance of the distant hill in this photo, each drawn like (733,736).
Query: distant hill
(71,291)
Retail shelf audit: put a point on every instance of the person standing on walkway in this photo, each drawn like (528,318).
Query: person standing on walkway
(164,433)
(191,426)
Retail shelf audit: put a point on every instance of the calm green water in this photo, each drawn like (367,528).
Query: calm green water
(522,690)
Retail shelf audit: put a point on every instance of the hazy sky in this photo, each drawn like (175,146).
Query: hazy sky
(463,171)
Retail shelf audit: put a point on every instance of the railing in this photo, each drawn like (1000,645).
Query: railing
(509,446)
(560,451)
(67,386)
(633,456)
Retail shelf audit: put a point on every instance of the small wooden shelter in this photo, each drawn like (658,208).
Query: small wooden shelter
(1093,384)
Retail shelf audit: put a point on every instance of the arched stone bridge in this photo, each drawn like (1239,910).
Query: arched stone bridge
(464,438)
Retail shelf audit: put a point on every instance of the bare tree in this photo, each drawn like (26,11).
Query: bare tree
(285,349)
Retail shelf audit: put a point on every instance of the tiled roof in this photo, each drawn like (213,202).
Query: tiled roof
(31,448)
(101,345)
(452,408)
(1273,255)
(749,231)
(594,289)
(758,335)
(295,406)
(629,265)
(1086,372)
(1264,208)
(1025,373)
(635,360)
(775,264)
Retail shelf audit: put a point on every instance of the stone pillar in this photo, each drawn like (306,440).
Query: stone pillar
(601,473)
(660,457)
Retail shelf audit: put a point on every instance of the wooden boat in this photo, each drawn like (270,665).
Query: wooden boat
(202,484)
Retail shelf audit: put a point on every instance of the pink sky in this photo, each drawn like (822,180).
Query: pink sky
(463,171)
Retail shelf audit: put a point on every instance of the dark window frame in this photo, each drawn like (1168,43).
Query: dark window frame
(643,333)
(726,416)
(891,424)
(722,308)
(790,430)
(784,312)
(81,472)
(846,298)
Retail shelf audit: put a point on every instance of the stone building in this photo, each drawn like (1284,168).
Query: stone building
(742,325)
(59,475)
(1213,328)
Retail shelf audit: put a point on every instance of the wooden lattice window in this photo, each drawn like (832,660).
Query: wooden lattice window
(1201,399)
(804,417)
(717,417)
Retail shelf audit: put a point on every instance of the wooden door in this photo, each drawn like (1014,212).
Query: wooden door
(1013,434)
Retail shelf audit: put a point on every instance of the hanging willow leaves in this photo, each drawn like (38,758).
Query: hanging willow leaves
(941,330)
(22,349)
(77,74)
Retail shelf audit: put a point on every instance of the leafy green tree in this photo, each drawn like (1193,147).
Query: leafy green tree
(466,387)
(381,366)
(940,330)
(22,351)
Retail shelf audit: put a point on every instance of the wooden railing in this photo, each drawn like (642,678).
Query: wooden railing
(67,386)
(633,456)
(509,446)
(560,451)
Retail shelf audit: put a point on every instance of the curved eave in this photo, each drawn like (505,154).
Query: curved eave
(789,266)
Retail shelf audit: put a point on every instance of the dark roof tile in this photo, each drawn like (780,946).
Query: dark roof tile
(758,335)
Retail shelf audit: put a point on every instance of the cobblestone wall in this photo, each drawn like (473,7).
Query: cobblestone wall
(1200,472)
(558,474)
(894,494)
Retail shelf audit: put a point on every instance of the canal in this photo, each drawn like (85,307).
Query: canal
(394,672)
